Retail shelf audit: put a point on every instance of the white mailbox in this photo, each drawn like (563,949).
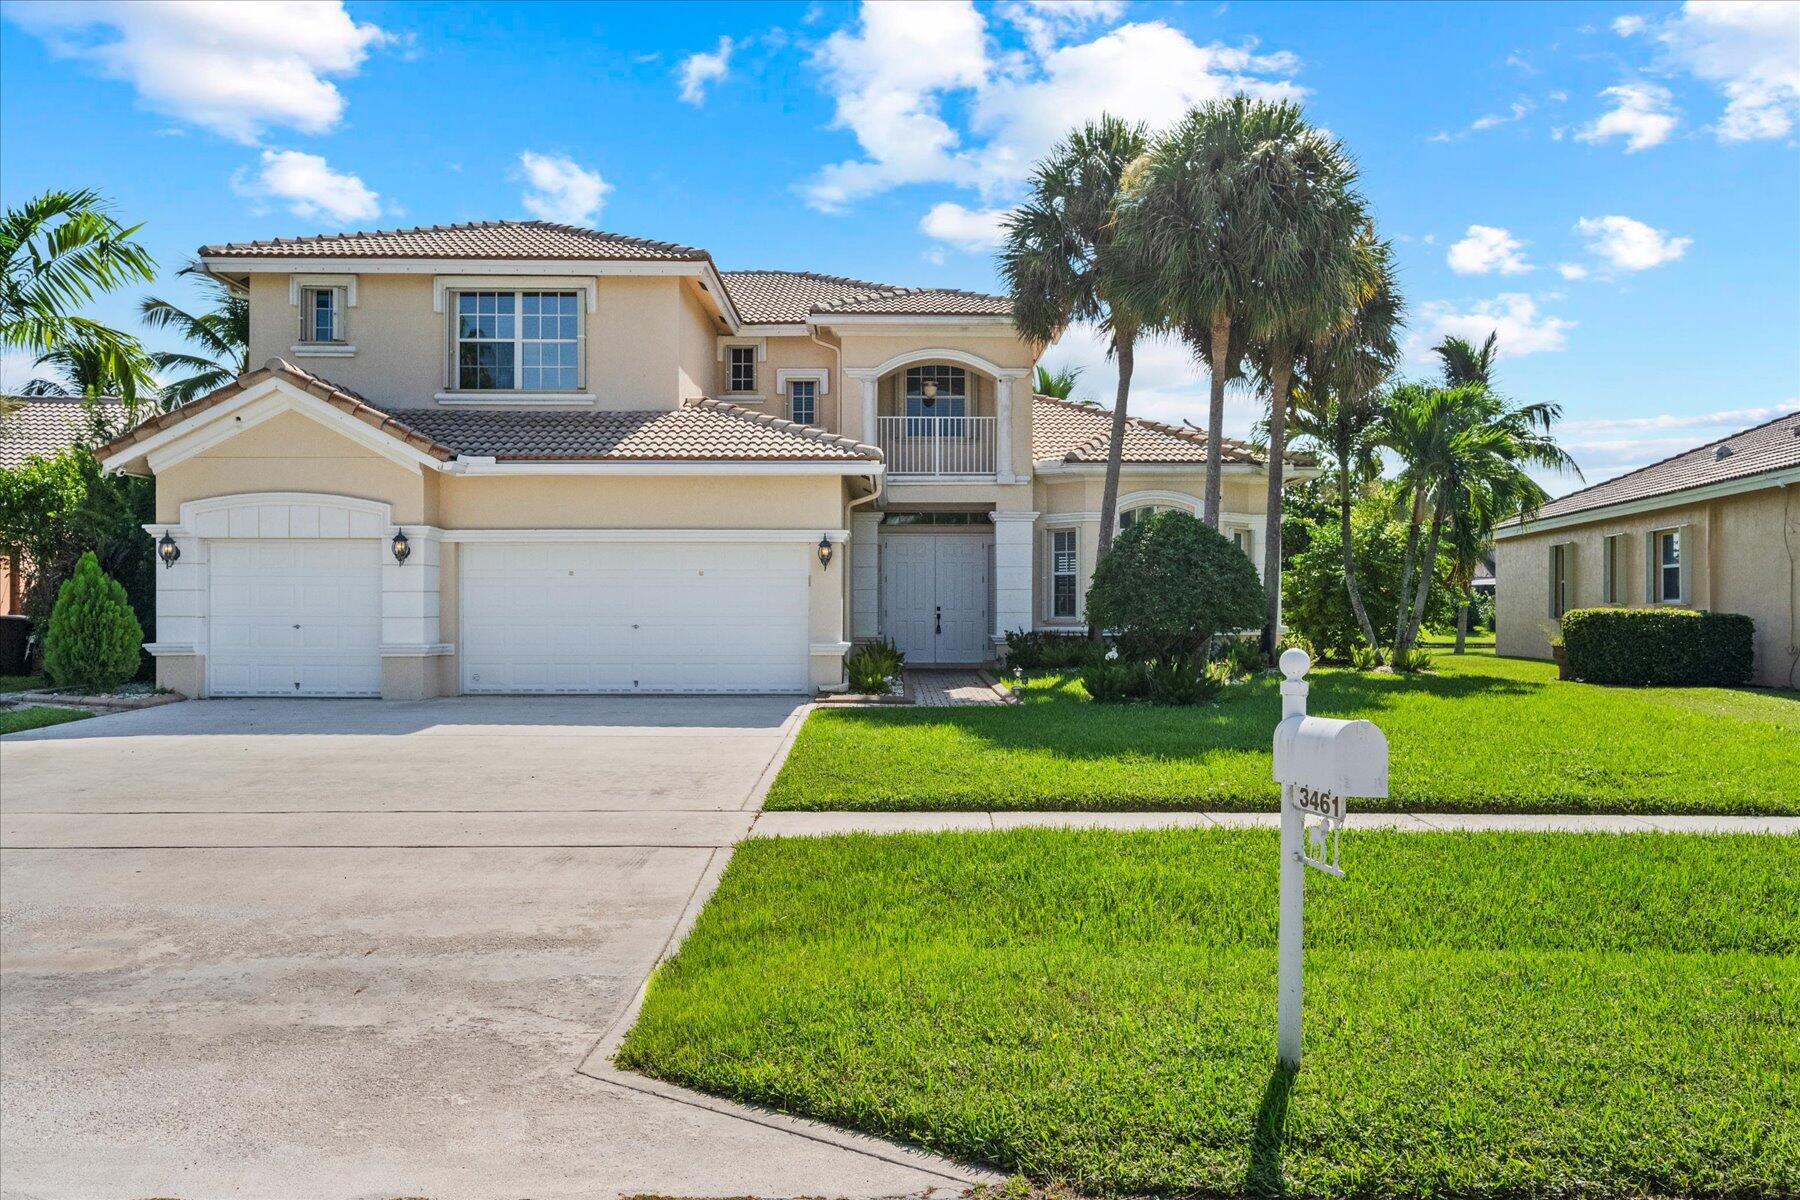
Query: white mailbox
(1344,758)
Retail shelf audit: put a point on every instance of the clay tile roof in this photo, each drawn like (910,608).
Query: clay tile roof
(782,297)
(1074,433)
(923,302)
(43,426)
(475,239)
(1772,446)
(699,431)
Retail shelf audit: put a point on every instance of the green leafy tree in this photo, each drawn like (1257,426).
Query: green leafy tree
(221,334)
(86,371)
(1062,263)
(1169,585)
(54,509)
(94,638)
(57,252)
(1316,598)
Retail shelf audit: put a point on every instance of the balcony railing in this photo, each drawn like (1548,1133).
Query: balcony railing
(937,445)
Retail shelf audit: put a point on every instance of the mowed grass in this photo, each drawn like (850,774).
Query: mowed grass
(18,720)
(1487,1015)
(1480,734)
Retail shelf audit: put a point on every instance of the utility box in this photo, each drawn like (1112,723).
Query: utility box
(1343,758)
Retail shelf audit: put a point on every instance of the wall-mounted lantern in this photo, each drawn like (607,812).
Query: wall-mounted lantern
(402,547)
(928,393)
(825,552)
(167,550)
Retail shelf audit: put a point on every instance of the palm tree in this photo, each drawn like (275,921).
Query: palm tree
(90,372)
(1463,363)
(223,334)
(1062,264)
(58,251)
(1060,383)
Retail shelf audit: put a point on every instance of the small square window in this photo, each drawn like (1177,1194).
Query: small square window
(321,318)
(803,401)
(741,376)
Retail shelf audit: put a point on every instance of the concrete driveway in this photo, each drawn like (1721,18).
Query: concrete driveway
(345,948)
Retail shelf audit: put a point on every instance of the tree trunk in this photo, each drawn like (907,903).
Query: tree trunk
(1124,350)
(1282,378)
(1462,622)
(1215,421)
(1345,489)
(1404,602)
(1423,591)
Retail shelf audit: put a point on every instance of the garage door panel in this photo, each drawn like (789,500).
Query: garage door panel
(294,618)
(634,617)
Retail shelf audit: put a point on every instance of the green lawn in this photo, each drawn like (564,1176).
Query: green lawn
(1487,1015)
(20,683)
(1480,734)
(18,720)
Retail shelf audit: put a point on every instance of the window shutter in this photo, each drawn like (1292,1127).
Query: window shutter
(1650,557)
(1685,556)
(1608,548)
(1550,604)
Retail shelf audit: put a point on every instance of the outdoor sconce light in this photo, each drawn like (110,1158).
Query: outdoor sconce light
(167,550)
(402,547)
(825,553)
(928,393)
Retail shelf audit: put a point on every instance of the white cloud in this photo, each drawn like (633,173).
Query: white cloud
(1752,52)
(1628,25)
(308,187)
(1515,111)
(1513,315)
(1628,245)
(1485,249)
(236,69)
(1642,113)
(1167,383)
(561,189)
(971,230)
(697,71)
(893,74)
(1735,418)
(1571,270)
(1047,22)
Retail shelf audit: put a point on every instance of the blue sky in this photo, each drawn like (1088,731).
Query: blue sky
(1615,187)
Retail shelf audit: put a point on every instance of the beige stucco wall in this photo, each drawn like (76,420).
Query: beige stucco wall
(787,353)
(1740,555)
(640,502)
(648,342)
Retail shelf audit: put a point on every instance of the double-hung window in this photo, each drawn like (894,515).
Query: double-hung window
(1063,568)
(740,369)
(937,400)
(321,314)
(518,341)
(1666,566)
(803,401)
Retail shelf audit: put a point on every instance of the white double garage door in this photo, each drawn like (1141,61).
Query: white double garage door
(303,617)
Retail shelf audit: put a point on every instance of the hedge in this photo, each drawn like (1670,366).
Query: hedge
(1658,646)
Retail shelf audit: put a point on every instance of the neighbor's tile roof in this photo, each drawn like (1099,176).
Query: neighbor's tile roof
(1074,433)
(1771,446)
(782,297)
(701,430)
(924,302)
(475,239)
(41,427)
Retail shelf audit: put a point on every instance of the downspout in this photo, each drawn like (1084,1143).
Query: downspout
(837,353)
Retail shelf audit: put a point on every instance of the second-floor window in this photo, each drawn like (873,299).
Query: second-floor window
(518,341)
(322,314)
(937,399)
(741,369)
(803,401)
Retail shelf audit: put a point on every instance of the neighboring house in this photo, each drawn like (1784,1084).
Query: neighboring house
(1717,527)
(618,469)
(39,427)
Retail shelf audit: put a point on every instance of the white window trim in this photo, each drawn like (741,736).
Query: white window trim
(443,285)
(337,347)
(1653,580)
(785,375)
(346,282)
(818,390)
(762,354)
(1050,573)
(500,398)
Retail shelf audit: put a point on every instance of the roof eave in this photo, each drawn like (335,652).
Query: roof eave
(1774,477)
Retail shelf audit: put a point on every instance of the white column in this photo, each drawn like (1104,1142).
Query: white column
(871,431)
(1013,537)
(181,595)
(865,575)
(1003,429)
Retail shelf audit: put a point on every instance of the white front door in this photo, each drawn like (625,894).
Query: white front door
(635,617)
(935,598)
(298,617)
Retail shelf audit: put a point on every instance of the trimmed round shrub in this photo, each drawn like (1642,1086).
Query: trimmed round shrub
(93,640)
(1676,647)
(1171,584)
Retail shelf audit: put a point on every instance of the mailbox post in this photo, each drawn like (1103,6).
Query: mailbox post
(1318,763)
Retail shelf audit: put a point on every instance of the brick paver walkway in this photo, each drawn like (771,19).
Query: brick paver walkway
(950,689)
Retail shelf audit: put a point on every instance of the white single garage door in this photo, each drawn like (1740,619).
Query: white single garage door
(634,617)
(298,617)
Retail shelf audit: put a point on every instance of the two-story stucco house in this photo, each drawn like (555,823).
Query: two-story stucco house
(525,457)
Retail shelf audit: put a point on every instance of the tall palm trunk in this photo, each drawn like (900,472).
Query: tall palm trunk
(1462,621)
(1282,378)
(1215,421)
(1414,528)
(1416,613)
(1124,350)
(1345,490)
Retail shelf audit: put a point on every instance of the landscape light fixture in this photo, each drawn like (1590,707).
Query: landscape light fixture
(167,550)
(402,547)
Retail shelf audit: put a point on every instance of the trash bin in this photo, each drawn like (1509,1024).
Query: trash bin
(15,632)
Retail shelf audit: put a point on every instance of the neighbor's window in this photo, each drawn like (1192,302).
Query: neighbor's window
(1241,539)
(1668,566)
(1612,586)
(321,314)
(742,369)
(1559,580)
(803,401)
(941,411)
(518,341)
(1062,573)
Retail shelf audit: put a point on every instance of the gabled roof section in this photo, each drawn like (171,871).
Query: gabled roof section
(1761,449)
(45,426)
(791,297)
(1063,431)
(471,240)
